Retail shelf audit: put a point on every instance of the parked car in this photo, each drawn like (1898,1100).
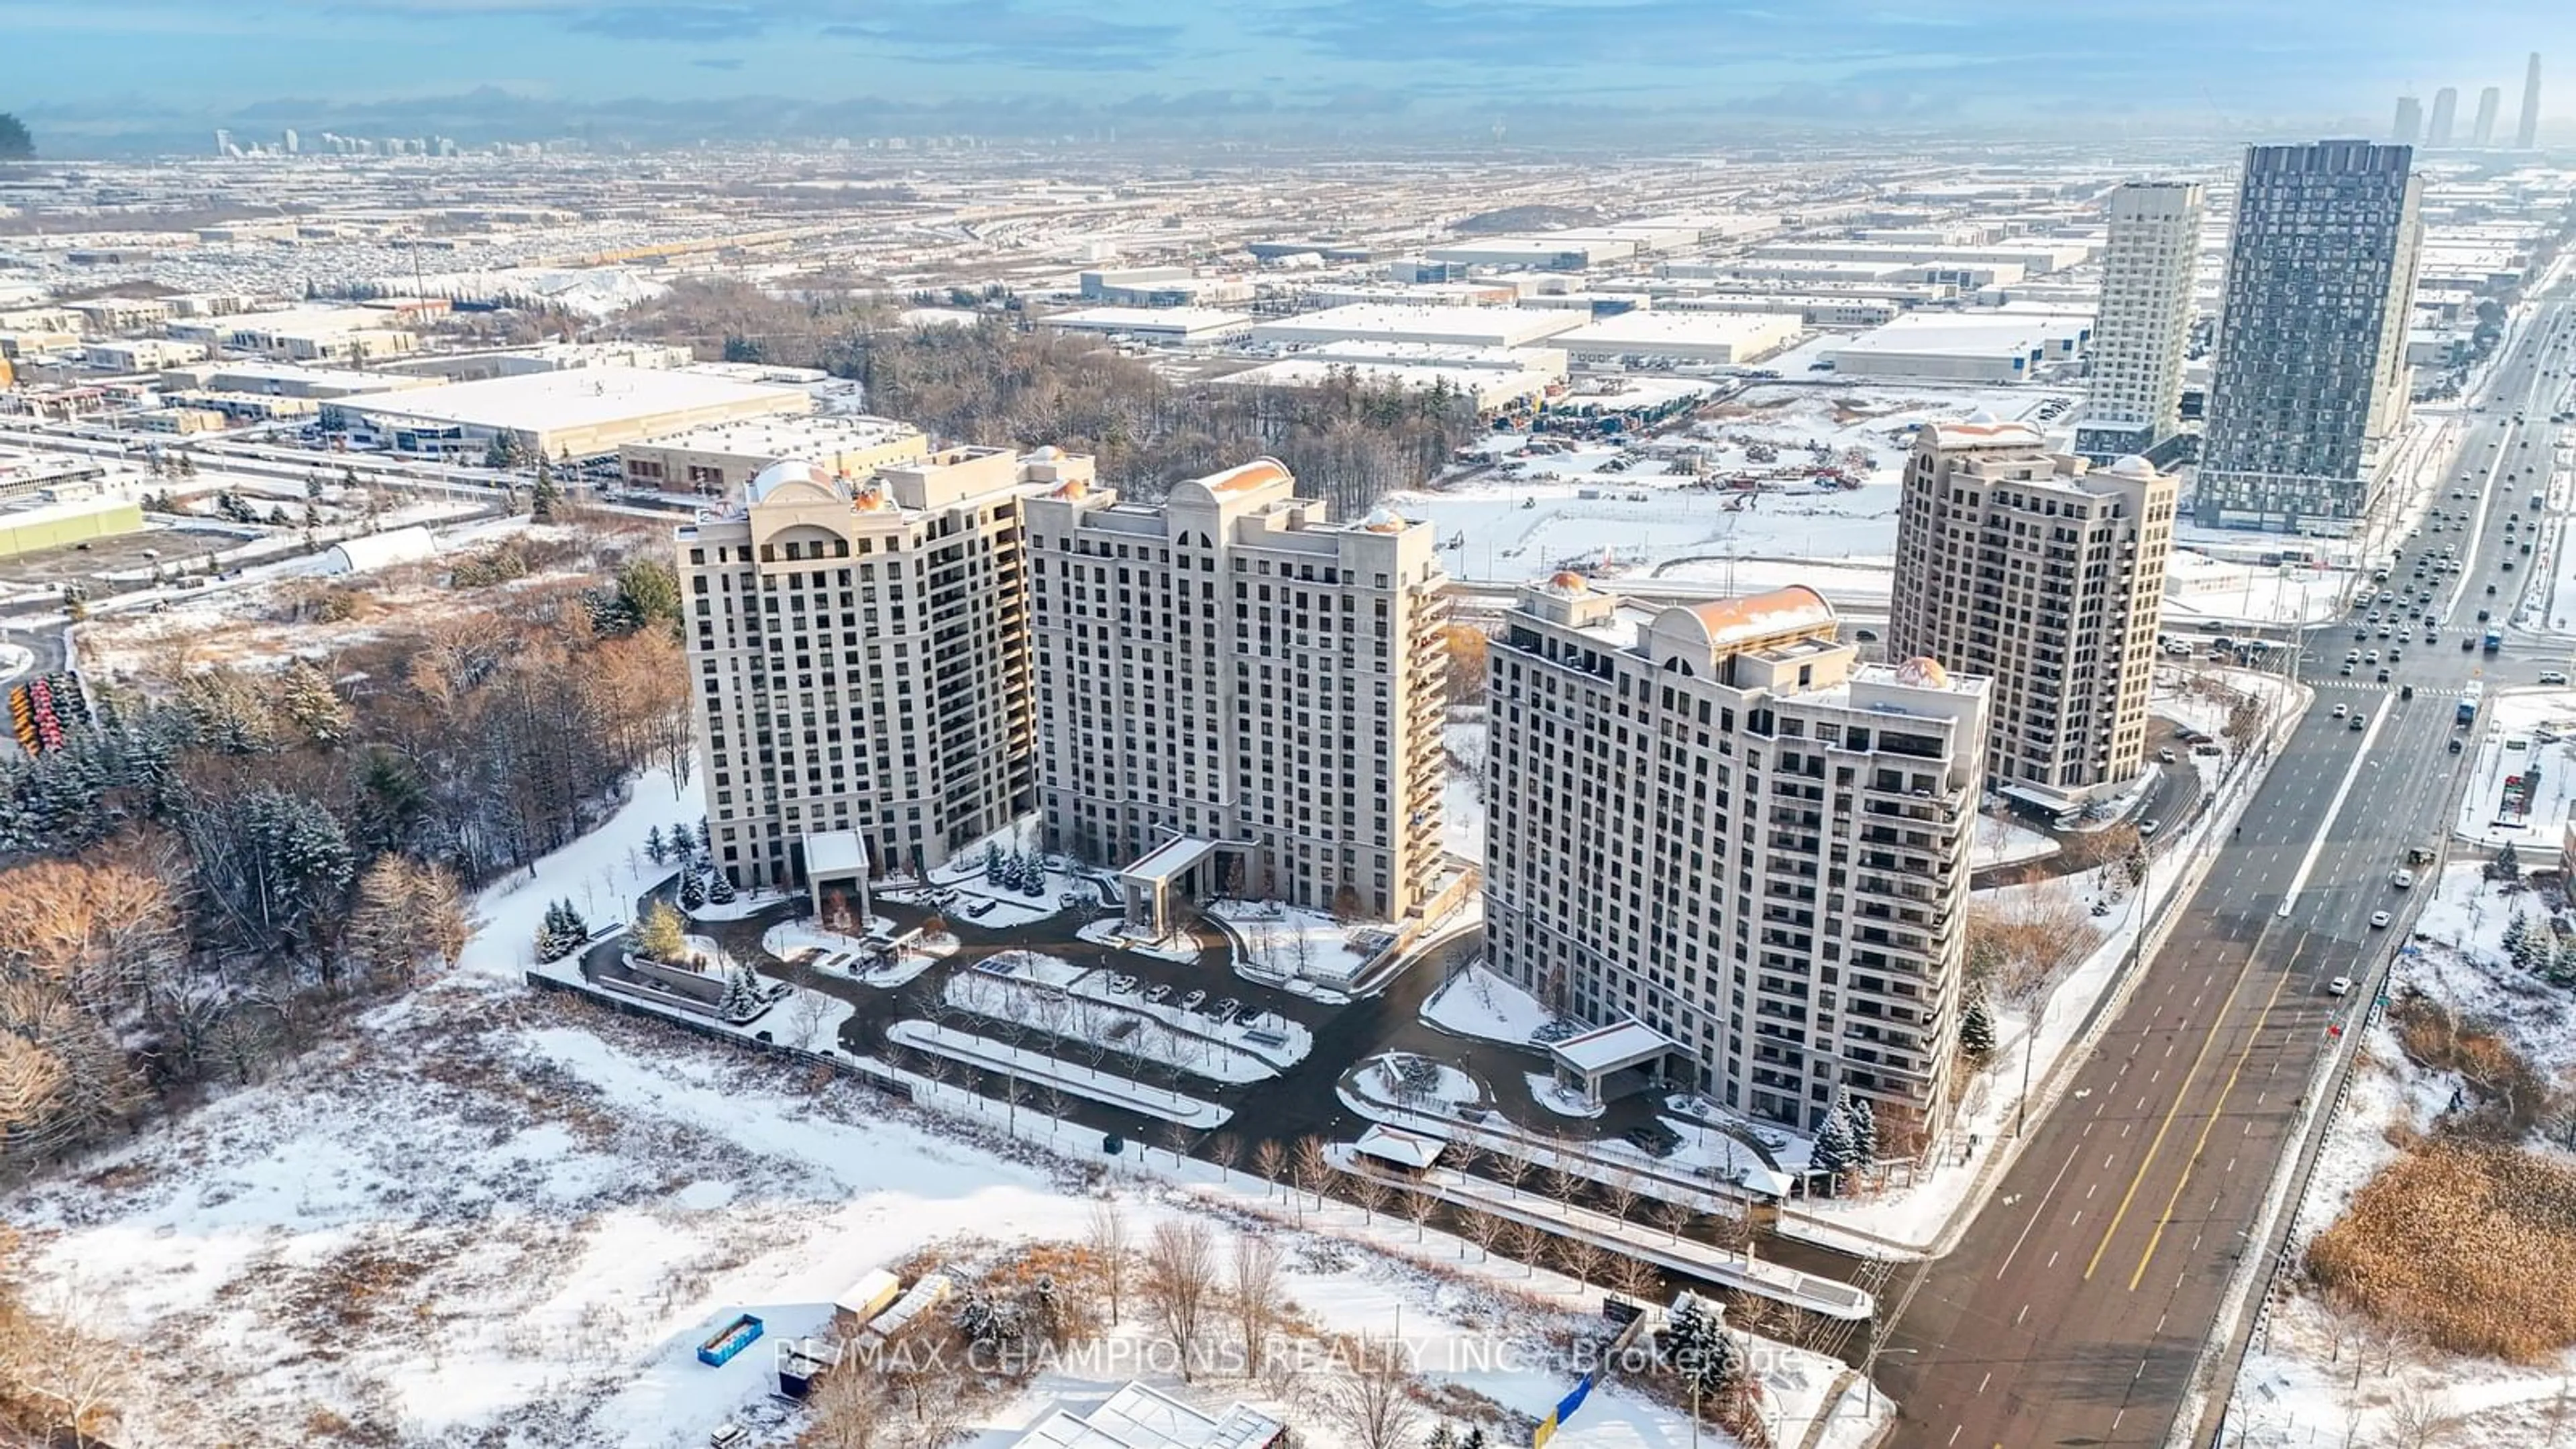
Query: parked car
(1224,1010)
(1191,1001)
(1158,993)
(1122,984)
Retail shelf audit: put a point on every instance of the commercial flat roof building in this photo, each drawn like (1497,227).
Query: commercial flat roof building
(726,456)
(2047,578)
(1450,326)
(1231,669)
(1982,346)
(2150,259)
(1719,338)
(1540,372)
(1185,325)
(2310,383)
(859,658)
(2036,256)
(285,379)
(1713,820)
(579,413)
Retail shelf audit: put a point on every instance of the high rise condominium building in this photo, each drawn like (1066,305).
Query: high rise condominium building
(859,654)
(2482,131)
(2526,132)
(2149,258)
(2310,382)
(2446,110)
(1714,821)
(2409,127)
(2047,578)
(1230,683)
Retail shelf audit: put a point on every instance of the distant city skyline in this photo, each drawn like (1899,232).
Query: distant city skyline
(122,74)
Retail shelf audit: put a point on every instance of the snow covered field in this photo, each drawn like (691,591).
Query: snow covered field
(484,1215)
(2525,729)
(2008,842)
(1291,942)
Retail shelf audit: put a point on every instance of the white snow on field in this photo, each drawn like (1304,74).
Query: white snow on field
(1462,797)
(2523,729)
(2200,588)
(2009,842)
(744,904)
(1291,941)
(1478,1003)
(1162,1033)
(601,874)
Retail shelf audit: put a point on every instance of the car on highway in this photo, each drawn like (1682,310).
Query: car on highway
(2340,986)
(2506,565)
(2406,692)
(2148,830)
(2358,722)
(2340,711)
(2379,920)
(2553,676)
(2360,634)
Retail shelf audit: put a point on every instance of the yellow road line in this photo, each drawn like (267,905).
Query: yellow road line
(2166,1217)
(2218,1023)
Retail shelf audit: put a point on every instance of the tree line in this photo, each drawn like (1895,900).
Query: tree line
(1001,384)
(224,856)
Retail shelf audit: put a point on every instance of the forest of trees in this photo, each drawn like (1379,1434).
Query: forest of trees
(999,384)
(15,143)
(228,856)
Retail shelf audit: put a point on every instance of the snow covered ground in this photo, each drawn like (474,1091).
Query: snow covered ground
(1289,941)
(2525,729)
(2008,842)
(2203,589)
(1478,1003)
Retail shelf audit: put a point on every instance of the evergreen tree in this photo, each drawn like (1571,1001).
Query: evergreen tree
(693,890)
(543,498)
(654,847)
(2507,864)
(706,838)
(1475,1438)
(15,143)
(575,929)
(2516,932)
(682,839)
(2562,964)
(1864,1131)
(992,863)
(1834,1153)
(2535,952)
(1695,1342)
(1977,1031)
(742,997)
(719,888)
(1442,1437)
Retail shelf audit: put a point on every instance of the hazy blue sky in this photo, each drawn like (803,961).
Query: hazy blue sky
(105,65)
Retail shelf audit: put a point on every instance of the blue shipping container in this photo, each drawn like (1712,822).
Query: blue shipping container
(732,1339)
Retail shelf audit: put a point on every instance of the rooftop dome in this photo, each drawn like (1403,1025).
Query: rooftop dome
(1923,672)
(2133,466)
(1383,519)
(1570,582)
(1047,454)
(787,470)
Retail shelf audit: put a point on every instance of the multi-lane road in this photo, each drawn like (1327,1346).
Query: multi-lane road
(2075,1308)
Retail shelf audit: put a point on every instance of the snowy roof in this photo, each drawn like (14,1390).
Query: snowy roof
(1137,1417)
(1608,1048)
(577,398)
(1169,859)
(835,852)
(1394,1144)
(377,550)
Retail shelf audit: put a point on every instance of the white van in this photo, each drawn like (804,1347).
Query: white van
(2402,879)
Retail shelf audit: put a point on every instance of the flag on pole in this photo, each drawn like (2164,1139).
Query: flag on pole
(1563,1411)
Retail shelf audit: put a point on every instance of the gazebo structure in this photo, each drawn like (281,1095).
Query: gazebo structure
(1588,1059)
(836,862)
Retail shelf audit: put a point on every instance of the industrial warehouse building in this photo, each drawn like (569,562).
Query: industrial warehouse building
(727,456)
(1186,325)
(1498,379)
(60,525)
(579,413)
(1449,326)
(1990,346)
(1718,338)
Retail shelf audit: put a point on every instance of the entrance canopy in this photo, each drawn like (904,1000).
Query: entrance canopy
(836,863)
(1590,1058)
(1148,884)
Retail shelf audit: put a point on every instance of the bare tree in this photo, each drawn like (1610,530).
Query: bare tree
(848,1409)
(1581,1257)
(1482,1229)
(1372,1397)
(1523,1240)
(1177,1139)
(1225,1150)
(1107,1240)
(1634,1277)
(1672,1215)
(1509,1168)
(1371,1192)
(1253,1293)
(1562,1183)
(2421,1419)
(1312,1168)
(1181,1285)
(1270,1159)
(1619,1195)
(1418,1205)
